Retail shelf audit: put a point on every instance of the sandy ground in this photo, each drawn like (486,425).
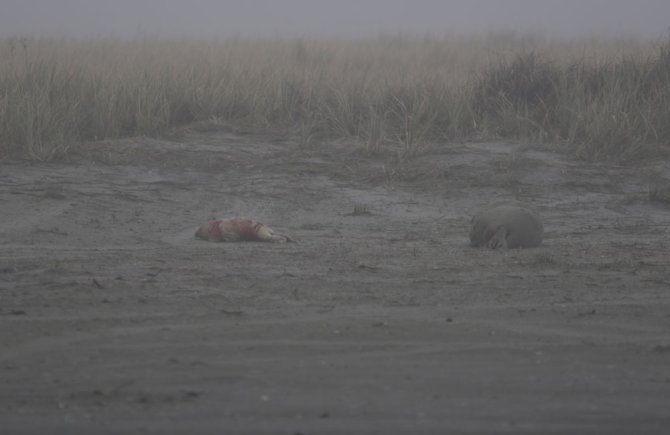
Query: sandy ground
(115,319)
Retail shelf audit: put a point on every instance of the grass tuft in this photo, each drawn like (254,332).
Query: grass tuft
(613,108)
(598,99)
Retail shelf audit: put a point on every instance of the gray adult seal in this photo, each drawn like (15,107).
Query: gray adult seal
(659,191)
(506,225)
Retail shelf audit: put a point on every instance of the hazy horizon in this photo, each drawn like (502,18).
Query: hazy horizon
(646,19)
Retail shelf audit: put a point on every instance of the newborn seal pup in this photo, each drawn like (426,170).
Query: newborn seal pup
(506,225)
(239,230)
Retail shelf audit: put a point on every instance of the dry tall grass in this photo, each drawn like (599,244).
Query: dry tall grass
(603,96)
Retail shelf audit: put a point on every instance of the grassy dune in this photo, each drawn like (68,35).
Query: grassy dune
(598,98)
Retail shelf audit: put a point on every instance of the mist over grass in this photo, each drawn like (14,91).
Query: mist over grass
(597,98)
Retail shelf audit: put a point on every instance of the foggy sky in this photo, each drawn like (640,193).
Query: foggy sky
(648,19)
